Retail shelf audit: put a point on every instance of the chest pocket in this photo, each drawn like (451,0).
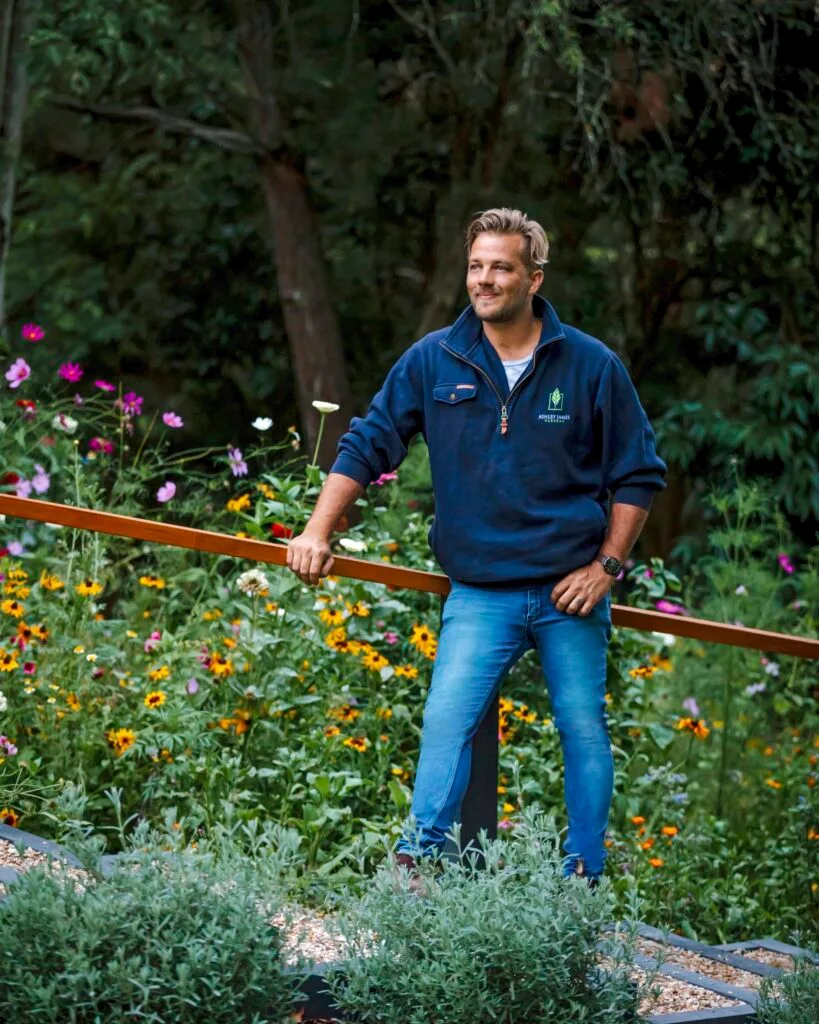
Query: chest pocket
(452,394)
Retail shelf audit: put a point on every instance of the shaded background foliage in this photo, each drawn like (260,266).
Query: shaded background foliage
(244,206)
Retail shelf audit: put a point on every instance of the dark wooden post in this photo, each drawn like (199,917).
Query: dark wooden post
(479,807)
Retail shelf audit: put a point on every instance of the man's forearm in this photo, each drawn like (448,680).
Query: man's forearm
(625,524)
(337,494)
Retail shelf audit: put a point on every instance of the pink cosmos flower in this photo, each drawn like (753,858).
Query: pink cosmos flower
(32,332)
(99,444)
(103,385)
(390,637)
(166,491)
(132,403)
(152,641)
(14,548)
(78,399)
(7,747)
(170,419)
(784,562)
(17,373)
(669,607)
(70,371)
(41,481)
(385,478)
(29,668)
(238,466)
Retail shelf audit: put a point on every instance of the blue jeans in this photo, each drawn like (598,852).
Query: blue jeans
(484,632)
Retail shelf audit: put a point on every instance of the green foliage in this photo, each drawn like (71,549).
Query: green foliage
(800,996)
(181,937)
(512,942)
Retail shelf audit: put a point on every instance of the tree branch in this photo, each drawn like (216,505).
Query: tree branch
(224,138)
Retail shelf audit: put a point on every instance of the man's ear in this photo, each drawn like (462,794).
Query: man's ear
(537,281)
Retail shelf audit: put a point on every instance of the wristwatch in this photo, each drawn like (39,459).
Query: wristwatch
(610,564)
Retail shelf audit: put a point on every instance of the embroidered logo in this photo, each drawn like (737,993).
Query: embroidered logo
(556,401)
(554,407)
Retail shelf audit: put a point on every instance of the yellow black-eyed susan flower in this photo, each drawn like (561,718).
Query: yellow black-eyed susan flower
(48,581)
(120,740)
(14,608)
(155,699)
(88,587)
(359,743)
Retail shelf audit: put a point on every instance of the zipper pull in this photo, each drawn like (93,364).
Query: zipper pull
(504,420)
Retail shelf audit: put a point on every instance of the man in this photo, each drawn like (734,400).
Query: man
(530,425)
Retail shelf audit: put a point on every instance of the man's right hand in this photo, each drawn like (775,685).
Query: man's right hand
(309,557)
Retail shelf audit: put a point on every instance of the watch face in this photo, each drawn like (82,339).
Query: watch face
(611,565)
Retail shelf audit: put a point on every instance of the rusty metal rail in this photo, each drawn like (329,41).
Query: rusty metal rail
(479,808)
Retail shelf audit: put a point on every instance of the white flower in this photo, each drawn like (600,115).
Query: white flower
(3,702)
(253,582)
(63,422)
(352,545)
(741,589)
(262,423)
(668,638)
(772,668)
(325,407)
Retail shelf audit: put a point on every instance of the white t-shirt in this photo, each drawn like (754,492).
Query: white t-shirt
(515,368)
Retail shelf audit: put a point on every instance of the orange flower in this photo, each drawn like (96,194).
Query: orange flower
(669,830)
(647,844)
(638,819)
(8,816)
(656,862)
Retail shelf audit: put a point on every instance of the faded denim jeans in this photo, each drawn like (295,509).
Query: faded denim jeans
(484,632)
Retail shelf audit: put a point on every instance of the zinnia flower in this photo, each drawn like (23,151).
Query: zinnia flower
(279,530)
(166,491)
(17,373)
(32,332)
(99,444)
(170,419)
(65,423)
(236,462)
(70,371)
(253,582)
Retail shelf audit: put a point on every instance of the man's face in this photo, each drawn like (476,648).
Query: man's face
(499,283)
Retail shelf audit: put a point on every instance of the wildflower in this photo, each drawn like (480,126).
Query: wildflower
(669,607)
(29,409)
(163,672)
(336,638)
(660,664)
(8,660)
(741,589)
(70,371)
(99,444)
(374,661)
(229,642)
(65,423)
(784,561)
(266,490)
(22,488)
(359,608)
(356,546)
(421,636)
(669,830)
(17,373)
(390,638)
(773,783)
(344,713)
(638,819)
(359,743)
(32,332)
(253,582)
(29,668)
(331,730)
(121,740)
(8,817)
(385,478)
(166,491)
(647,844)
(754,688)
(430,650)
(262,423)
(691,706)
(694,725)
(771,667)
(237,464)
(191,686)
(279,530)
(384,712)
(152,581)
(238,504)
(73,702)
(171,419)
(13,608)
(209,616)
(656,862)
(326,407)
(154,699)
(220,666)
(104,385)
(646,671)
(79,649)
(332,616)
(408,671)
(88,587)
(131,403)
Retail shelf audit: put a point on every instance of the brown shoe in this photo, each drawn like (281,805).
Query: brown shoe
(417,884)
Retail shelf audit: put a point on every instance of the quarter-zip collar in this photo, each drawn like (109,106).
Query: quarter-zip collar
(465,339)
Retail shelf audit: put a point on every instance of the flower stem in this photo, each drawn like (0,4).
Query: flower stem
(318,441)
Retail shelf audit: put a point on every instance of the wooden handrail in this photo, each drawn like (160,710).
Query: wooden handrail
(116,525)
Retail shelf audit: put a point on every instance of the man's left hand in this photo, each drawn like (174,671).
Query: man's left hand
(579,592)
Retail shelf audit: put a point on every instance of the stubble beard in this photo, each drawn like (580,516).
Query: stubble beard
(511,310)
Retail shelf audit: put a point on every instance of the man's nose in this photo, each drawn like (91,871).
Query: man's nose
(486,276)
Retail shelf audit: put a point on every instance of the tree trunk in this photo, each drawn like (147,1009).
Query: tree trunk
(16,20)
(310,318)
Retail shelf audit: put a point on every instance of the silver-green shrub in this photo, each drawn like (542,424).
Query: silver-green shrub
(799,1001)
(512,942)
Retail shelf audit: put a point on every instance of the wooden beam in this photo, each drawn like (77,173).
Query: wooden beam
(116,525)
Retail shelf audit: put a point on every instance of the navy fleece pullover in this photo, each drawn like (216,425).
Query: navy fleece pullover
(522,479)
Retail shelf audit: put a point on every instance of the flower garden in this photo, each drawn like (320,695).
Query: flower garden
(147,687)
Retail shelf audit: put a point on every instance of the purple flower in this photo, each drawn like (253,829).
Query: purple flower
(152,641)
(41,481)
(166,491)
(103,385)
(29,668)
(669,607)
(648,574)
(70,371)
(14,548)
(170,419)
(784,562)
(385,478)
(754,688)
(192,686)
(238,466)
(620,575)
(23,488)
(132,403)
(7,746)
(690,705)
(32,332)
(17,373)
(99,444)
(78,399)
(390,637)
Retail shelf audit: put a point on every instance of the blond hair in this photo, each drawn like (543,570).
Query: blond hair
(503,220)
